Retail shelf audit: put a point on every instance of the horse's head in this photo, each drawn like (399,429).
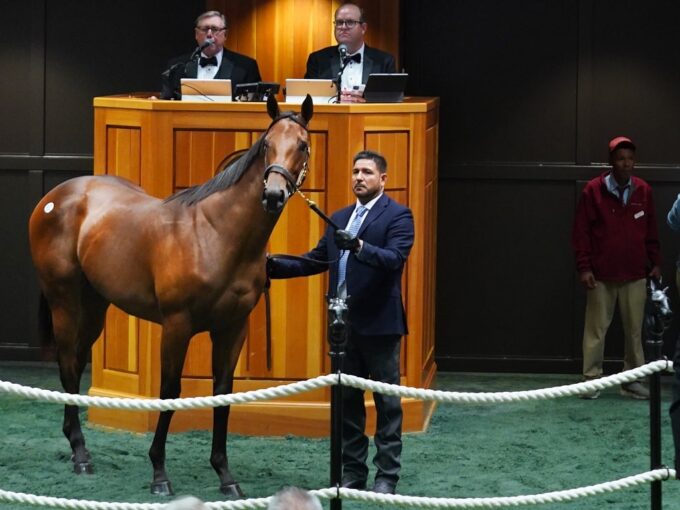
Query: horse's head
(286,154)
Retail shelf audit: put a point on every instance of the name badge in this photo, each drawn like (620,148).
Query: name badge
(639,214)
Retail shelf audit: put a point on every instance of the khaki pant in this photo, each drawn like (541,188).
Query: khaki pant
(599,312)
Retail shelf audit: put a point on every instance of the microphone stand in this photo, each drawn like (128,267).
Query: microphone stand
(172,76)
(338,80)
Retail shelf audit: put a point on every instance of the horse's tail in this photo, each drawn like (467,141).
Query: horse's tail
(45,329)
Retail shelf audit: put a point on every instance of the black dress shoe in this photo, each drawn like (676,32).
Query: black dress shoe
(382,486)
(351,483)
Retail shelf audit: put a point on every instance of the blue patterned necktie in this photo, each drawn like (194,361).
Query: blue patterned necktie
(353,229)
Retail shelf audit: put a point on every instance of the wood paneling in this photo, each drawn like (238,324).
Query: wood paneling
(167,146)
(394,146)
(281,34)
(123,153)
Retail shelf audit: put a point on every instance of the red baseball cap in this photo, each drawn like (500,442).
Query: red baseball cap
(620,142)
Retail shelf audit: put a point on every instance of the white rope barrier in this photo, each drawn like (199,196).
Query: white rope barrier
(356,382)
(357,495)
(84,504)
(496,502)
(157,404)
(508,396)
(133,404)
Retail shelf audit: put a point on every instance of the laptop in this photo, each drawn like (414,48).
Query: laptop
(218,91)
(385,87)
(322,91)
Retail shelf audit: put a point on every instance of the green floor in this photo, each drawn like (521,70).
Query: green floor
(468,451)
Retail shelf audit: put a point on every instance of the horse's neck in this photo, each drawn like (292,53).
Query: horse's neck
(237,210)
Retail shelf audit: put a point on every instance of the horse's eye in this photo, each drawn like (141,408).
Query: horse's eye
(304,146)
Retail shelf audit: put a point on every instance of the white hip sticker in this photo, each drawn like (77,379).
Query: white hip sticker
(48,207)
(639,214)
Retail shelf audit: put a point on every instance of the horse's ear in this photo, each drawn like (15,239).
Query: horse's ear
(273,107)
(307,109)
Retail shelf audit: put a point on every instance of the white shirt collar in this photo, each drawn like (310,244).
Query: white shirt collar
(218,56)
(360,51)
(370,204)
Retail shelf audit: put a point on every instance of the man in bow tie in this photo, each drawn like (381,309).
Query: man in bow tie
(366,260)
(214,60)
(350,28)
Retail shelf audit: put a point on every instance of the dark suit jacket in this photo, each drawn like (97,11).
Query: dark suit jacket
(325,63)
(373,275)
(236,67)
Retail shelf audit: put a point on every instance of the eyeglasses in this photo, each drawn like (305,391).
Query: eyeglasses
(215,30)
(349,23)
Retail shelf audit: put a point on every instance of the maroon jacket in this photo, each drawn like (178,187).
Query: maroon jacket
(614,241)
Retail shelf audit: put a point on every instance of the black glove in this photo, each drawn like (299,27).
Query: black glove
(270,265)
(344,240)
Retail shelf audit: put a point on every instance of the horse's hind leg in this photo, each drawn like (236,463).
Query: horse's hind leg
(76,327)
(225,351)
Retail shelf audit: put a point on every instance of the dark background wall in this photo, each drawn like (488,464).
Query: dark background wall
(531,91)
(55,57)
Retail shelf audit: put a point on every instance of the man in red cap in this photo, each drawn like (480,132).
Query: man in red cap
(616,246)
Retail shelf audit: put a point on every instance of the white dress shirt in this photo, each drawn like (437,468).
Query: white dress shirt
(353,72)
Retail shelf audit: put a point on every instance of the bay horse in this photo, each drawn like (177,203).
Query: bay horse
(193,262)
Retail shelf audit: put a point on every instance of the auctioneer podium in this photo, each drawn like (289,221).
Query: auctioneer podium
(165,146)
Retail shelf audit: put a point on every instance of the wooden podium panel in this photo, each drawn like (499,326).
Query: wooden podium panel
(165,146)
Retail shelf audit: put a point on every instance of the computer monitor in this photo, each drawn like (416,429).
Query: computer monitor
(255,91)
(194,89)
(385,87)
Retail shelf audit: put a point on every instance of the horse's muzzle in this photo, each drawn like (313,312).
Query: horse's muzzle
(274,199)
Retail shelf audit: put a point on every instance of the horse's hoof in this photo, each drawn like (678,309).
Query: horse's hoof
(83,468)
(232,490)
(163,488)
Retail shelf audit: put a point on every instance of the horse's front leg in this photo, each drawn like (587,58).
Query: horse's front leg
(226,346)
(174,344)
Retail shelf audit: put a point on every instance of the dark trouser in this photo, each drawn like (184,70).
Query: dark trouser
(377,357)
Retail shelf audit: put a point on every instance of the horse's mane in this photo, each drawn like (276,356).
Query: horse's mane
(233,173)
(227,177)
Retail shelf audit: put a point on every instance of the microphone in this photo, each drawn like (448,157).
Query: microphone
(343,51)
(206,43)
(172,76)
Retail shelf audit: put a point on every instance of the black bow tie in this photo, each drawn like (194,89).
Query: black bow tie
(354,58)
(208,61)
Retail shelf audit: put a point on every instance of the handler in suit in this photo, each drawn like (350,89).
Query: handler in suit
(215,62)
(350,28)
(366,263)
